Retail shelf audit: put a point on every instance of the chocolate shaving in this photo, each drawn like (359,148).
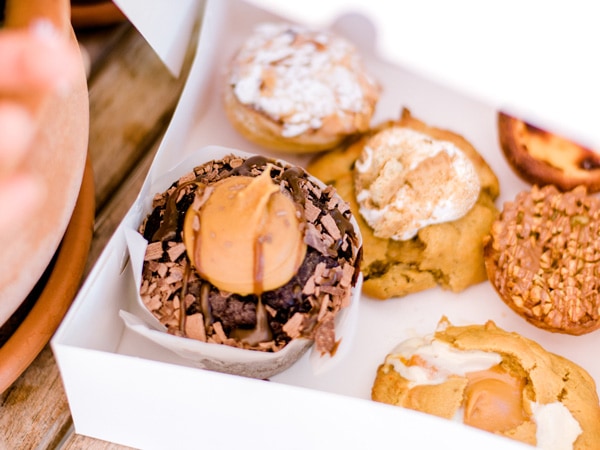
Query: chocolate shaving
(325,336)
(293,327)
(153,251)
(175,251)
(331,227)
(311,212)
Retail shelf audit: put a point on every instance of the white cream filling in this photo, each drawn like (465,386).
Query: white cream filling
(557,429)
(442,360)
(392,204)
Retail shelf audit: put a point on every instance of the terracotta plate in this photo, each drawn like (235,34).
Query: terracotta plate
(57,290)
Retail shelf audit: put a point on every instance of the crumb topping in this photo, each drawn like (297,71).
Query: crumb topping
(405,180)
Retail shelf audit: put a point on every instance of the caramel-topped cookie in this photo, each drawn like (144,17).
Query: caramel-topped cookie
(495,380)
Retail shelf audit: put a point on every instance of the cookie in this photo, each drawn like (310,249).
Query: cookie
(495,380)
(448,254)
(543,258)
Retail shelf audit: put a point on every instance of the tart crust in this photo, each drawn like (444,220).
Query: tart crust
(540,157)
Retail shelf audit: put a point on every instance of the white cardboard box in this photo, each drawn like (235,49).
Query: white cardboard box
(124,389)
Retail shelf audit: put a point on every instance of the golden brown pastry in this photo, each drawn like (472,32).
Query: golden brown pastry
(541,157)
(448,252)
(256,250)
(298,90)
(543,258)
(494,380)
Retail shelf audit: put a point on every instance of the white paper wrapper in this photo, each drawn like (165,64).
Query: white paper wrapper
(223,358)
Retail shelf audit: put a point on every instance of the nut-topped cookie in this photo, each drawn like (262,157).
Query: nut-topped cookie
(543,258)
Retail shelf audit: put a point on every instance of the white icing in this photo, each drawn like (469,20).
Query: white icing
(442,360)
(311,75)
(557,429)
(396,208)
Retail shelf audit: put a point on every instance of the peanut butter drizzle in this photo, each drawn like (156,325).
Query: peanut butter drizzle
(494,400)
(192,235)
(182,307)
(262,330)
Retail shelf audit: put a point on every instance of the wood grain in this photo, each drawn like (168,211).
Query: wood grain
(131,101)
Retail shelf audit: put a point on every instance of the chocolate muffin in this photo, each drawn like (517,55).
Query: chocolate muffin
(254,310)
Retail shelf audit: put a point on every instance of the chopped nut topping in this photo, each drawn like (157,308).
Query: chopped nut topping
(543,258)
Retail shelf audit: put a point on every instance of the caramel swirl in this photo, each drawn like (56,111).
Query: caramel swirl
(494,400)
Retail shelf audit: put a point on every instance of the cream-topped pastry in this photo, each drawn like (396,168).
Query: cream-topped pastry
(298,89)
(494,380)
(405,180)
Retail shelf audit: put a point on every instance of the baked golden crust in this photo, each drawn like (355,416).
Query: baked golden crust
(542,257)
(298,90)
(548,378)
(448,254)
(540,157)
(266,132)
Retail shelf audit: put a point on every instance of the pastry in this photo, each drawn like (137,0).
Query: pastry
(413,237)
(293,89)
(256,250)
(495,380)
(541,157)
(543,259)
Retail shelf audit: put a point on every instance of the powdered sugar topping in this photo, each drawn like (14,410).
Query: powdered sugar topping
(303,78)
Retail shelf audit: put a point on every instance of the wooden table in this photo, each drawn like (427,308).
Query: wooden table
(132,98)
